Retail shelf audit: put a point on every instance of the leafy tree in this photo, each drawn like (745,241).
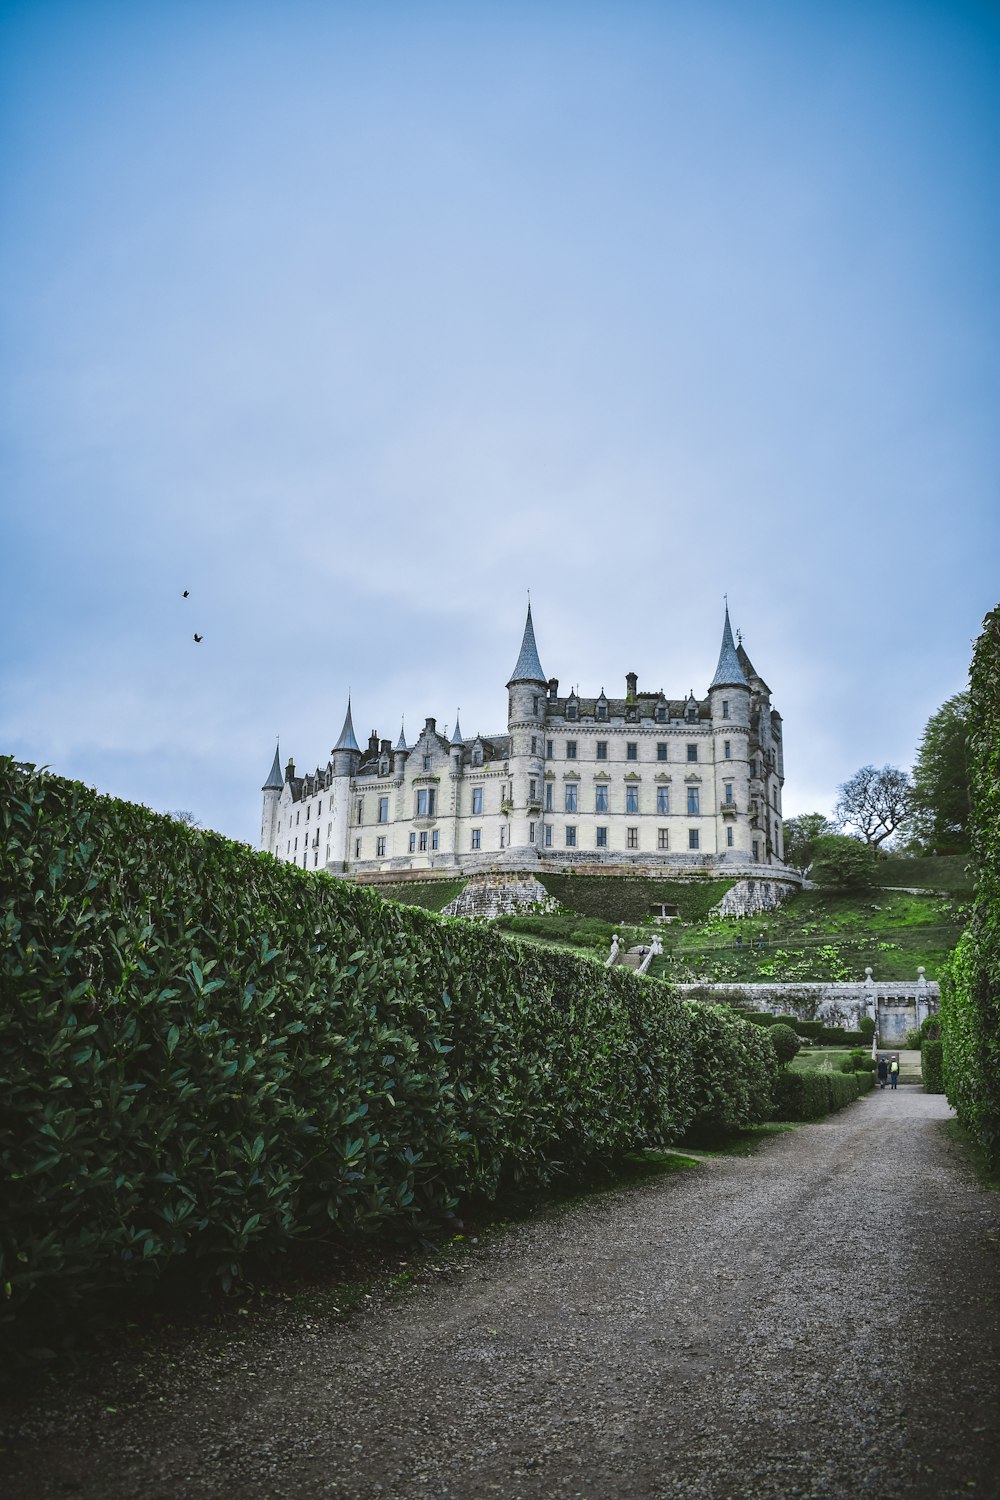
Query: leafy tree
(941,777)
(875,803)
(784,1041)
(843,862)
(801,834)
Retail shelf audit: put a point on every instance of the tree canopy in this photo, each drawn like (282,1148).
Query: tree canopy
(875,802)
(843,862)
(941,777)
(801,834)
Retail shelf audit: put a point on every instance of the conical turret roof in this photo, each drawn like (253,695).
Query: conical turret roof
(456,738)
(528,668)
(347,740)
(401,742)
(728,673)
(275,781)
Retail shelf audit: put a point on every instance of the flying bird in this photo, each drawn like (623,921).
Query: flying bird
(197,637)
(186,594)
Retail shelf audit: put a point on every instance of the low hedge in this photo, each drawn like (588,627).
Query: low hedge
(932,1065)
(809,1096)
(207,1054)
(733,1068)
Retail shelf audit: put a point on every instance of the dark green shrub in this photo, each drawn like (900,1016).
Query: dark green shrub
(843,862)
(206,1054)
(838,1036)
(930,1028)
(809,1096)
(931,1065)
(732,1067)
(810,1029)
(784,1041)
(866,1026)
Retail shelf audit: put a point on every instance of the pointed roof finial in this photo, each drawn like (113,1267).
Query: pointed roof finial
(456,738)
(728,673)
(347,740)
(275,780)
(528,668)
(401,742)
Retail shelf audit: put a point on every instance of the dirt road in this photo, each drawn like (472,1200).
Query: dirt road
(819,1320)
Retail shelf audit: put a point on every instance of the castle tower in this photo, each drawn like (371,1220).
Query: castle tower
(345,758)
(729,700)
(272,790)
(526,692)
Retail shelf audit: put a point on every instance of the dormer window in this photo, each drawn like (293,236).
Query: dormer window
(661,713)
(427,762)
(602,710)
(572,709)
(477,755)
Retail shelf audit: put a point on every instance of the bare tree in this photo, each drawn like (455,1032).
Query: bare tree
(875,803)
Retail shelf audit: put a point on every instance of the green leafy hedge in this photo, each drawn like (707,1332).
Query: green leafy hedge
(932,1066)
(808,1096)
(733,1068)
(206,1054)
(970,990)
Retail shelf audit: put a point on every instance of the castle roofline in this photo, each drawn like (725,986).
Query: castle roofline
(729,672)
(275,780)
(347,740)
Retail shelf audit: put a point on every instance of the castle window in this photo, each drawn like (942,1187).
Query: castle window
(422,843)
(602,749)
(532,789)
(308,810)
(427,762)
(725,708)
(531,833)
(662,838)
(413,843)
(631,750)
(693,798)
(297,811)
(571,710)
(477,756)
(571,749)
(477,801)
(692,712)
(534,744)
(548,750)
(477,838)
(571,796)
(434,839)
(328,853)
(380,848)
(692,751)
(729,836)
(661,750)
(319,807)
(600,798)
(661,714)
(753,768)
(570,836)
(383,809)
(729,793)
(727,749)
(357,850)
(694,838)
(663,800)
(548,835)
(602,713)
(425,802)
(631,798)
(632,838)
(304,858)
(756,849)
(548,796)
(602,838)
(503,832)
(359,810)
(534,704)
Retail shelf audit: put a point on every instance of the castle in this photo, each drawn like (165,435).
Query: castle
(689,785)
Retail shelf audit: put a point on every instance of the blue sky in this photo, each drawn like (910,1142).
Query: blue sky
(359,320)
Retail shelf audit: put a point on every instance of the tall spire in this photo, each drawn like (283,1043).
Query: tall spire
(528,668)
(456,738)
(347,740)
(401,742)
(275,781)
(728,673)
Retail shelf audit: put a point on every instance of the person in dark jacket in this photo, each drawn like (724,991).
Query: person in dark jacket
(883,1072)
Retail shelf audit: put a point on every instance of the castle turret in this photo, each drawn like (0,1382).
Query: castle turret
(526,699)
(729,703)
(399,755)
(344,760)
(272,790)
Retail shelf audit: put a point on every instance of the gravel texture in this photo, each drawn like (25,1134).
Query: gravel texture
(818,1320)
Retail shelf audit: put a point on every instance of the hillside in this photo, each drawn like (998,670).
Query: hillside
(817,935)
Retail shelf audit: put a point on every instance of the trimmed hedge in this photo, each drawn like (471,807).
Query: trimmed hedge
(970,989)
(206,1054)
(808,1096)
(932,1066)
(733,1068)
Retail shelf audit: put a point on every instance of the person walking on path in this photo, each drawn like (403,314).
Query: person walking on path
(883,1072)
(894,1072)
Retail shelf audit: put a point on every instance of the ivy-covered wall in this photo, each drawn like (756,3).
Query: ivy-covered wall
(970,991)
(206,1054)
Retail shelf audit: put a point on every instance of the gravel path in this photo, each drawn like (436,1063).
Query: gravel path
(819,1320)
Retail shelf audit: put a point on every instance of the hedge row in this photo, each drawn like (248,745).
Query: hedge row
(970,992)
(808,1096)
(932,1066)
(206,1054)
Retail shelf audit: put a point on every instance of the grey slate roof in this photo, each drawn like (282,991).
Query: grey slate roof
(456,738)
(728,673)
(528,668)
(347,740)
(401,742)
(275,781)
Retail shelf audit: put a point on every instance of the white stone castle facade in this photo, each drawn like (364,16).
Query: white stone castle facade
(641,782)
